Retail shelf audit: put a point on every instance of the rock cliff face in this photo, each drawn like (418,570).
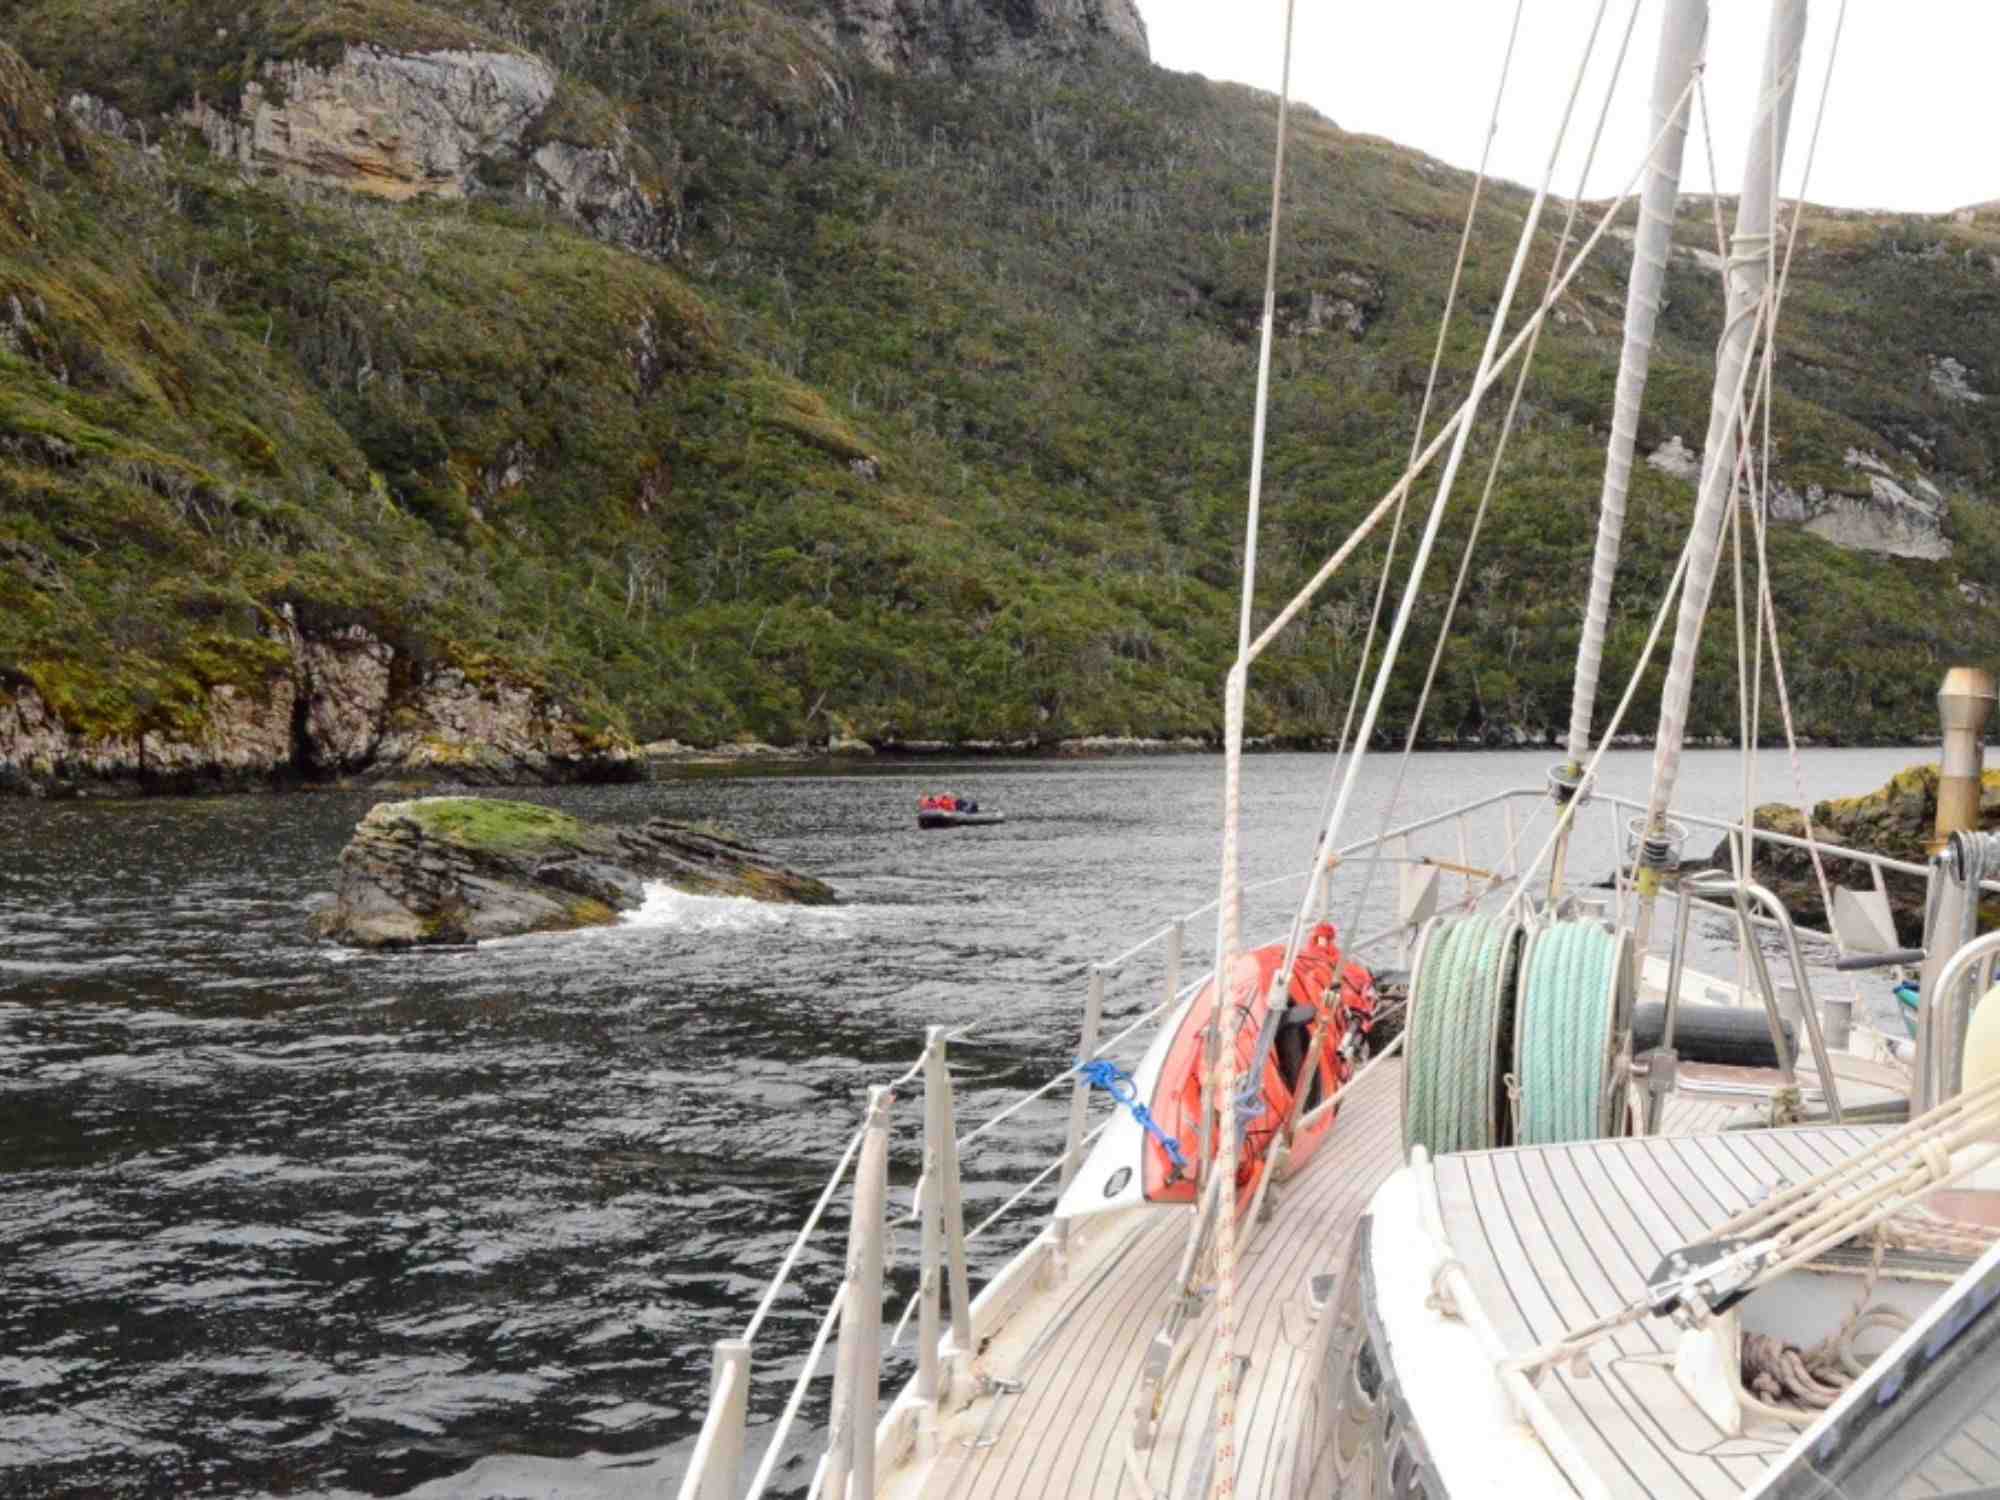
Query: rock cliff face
(337,709)
(391,126)
(1891,520)
(928,36)
(401,126)
(465,869)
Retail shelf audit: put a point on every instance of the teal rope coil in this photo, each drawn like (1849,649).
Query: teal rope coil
(1460,1033)
(1569,1005)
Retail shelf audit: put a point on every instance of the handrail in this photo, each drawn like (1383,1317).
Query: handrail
(733,1369)
(1945,1061)
(1793,841)
(808,1372)
(799,1243)
(1744,892)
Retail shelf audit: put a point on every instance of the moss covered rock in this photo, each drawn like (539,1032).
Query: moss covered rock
(1895,820)
(463,869)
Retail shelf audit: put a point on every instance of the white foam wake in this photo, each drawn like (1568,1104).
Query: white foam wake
(666,907)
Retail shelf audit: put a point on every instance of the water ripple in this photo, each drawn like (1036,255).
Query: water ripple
(276,1218)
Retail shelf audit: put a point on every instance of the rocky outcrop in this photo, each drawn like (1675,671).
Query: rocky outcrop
(1675,458)
(929,36)
(465,869)
(1350,304)
(1895,820)
(598,185)
(1953,380)
(494,731)
(382,123)
(1890,520)
(437,124)
(343,705)
(346,676)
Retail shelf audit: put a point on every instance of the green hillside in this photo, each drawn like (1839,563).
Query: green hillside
(919,406)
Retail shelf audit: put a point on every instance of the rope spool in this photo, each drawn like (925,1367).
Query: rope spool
(1576,1010)
(1460,1035)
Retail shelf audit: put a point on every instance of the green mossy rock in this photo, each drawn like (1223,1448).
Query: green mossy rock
(1896,820)
(464,869)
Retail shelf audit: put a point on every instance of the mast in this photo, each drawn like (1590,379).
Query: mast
(1681,31)
(1748,277)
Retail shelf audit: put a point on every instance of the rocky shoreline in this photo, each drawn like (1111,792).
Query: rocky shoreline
(672,753)
(335,720)
(336,701)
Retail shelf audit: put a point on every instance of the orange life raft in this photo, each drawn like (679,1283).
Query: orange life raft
(1343,1010)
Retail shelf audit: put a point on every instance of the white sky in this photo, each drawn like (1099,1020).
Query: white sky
(1909,123)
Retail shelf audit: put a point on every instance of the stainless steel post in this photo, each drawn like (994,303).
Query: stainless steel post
(1965,703)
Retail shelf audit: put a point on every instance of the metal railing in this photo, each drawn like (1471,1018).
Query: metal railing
(860,1441)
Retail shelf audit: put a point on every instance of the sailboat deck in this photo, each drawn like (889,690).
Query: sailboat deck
(1076,1354)
(1554,1237)
(1078,1363)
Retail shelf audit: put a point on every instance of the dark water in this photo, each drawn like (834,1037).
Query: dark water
(278,1220)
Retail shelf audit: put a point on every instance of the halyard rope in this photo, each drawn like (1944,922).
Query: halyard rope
(1490,361)
(1423,416)
(1228,912)
(1506,430)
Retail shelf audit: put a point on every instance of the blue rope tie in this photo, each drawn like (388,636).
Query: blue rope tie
(1116,1082)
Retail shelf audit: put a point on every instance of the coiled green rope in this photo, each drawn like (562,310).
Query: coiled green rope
(1570,999)
(1460,1034)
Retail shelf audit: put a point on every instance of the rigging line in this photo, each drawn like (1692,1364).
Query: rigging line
(1421,560)
(1745,286)
(1484,377)
(1482,382)
(1736,854)
(1754,488)
(1506,431)
(1757,492)
(1739,843)
(1228,914)
(1568,814)
(1767,607)
(1264,354)
(1564,820)
(1423,414)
